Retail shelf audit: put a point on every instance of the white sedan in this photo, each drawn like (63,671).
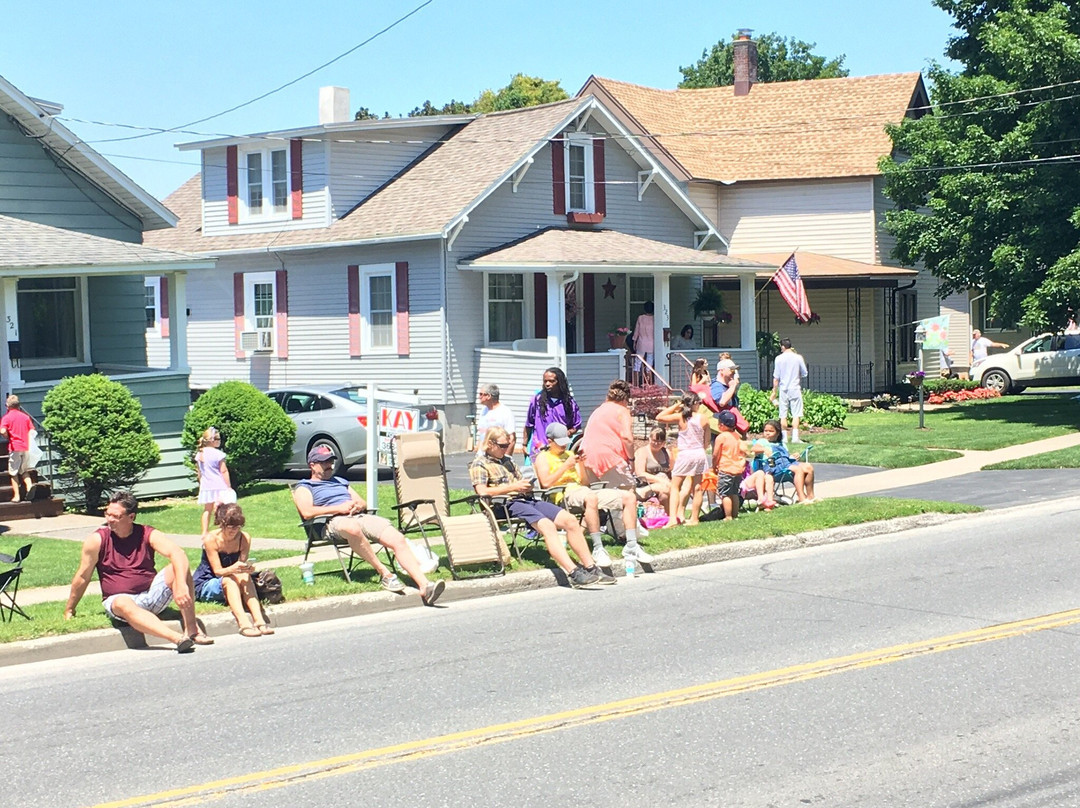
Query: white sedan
(1048,360)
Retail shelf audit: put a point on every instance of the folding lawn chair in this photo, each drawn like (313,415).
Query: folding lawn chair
(473,539)
(9,590)
(18,558)
(420,483)
(785,481)
(316,536)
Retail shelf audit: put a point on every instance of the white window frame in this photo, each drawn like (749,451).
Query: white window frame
(527,325)
(267,213)
(583,141)
(635,306)
(153,282)
(267,336)
(367,327)
(82,331)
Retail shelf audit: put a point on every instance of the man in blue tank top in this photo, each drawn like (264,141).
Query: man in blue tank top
(326,495)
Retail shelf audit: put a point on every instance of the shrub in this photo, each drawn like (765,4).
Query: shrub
(648,400)
(99,428)
(956,396)
(948,385)
(755,407)
(256,434)
(824,410)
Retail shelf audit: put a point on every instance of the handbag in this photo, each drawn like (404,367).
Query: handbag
(268,586)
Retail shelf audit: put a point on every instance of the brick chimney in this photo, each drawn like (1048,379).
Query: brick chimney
(744,58)
(334,105)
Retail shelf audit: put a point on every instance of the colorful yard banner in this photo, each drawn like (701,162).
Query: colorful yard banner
(937,333)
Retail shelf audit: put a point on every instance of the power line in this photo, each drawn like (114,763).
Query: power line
(337,58)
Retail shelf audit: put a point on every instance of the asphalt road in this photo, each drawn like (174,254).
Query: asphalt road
(743,691)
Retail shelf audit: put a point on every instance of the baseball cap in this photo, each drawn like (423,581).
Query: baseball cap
(726,364)
(727,418)
(558,434)
(320,454)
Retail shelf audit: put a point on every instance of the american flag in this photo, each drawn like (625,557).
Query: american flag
(791,287)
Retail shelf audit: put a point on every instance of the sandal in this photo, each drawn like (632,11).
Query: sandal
(250,631)
(263,628)
(201,639)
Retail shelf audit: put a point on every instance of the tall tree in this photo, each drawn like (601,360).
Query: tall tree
(987,187)
(779,59)
(522,91)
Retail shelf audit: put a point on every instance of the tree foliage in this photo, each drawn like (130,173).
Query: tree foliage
(99,428)
(256,434)
(779,59)
(522,91)
(986,188)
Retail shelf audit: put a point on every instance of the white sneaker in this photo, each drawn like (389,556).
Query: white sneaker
(638,554)
(600,557)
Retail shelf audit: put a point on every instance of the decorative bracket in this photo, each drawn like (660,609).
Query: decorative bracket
(701,238)
(520,173)
(644,180)
(455,231)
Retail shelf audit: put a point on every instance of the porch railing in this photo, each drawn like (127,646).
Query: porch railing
(854,379)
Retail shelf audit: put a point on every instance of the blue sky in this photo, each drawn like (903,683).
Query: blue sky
(165,62)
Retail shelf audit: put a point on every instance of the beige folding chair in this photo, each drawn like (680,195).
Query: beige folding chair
(474,539)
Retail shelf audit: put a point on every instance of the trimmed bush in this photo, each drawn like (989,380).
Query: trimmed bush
(256,434)
(824,410)
(755,407)
(933,386)
(99,428)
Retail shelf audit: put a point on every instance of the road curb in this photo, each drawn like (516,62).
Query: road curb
(303,612)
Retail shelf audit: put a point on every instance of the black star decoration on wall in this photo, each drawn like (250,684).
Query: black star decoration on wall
(609,289)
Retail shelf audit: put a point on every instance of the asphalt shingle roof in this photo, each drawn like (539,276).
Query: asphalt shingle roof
(781,130)
(26,244)
(422,199)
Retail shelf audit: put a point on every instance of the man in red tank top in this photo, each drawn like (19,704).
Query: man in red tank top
(132,592)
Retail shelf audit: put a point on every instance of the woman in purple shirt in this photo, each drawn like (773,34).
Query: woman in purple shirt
(553,404)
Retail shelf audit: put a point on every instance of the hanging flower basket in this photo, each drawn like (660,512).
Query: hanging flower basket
(916,379)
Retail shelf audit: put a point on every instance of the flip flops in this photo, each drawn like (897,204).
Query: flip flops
(264,628)
(250,631)
(201,639)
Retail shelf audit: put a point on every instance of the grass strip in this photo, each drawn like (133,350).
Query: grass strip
(1060,459)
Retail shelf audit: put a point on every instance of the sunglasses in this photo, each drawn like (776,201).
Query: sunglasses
(503,445)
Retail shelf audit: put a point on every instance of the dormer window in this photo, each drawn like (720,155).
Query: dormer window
(265,183)
(580,196)
(577,177)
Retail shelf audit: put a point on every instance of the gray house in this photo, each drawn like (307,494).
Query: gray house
(432,254)
(71,271)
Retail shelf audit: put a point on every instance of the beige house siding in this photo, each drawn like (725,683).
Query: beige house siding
(835,217)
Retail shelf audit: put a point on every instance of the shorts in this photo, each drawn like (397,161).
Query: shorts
(727,485)
(637,360)
(791,403)
(154,599)
(371,526)
(533,510)
(18,463)
(210,591)
(607,499)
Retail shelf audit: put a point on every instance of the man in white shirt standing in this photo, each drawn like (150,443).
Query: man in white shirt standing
(789,370)
(492,413)
(980,345)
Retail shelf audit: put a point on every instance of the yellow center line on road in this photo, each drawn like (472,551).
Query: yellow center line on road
(500,733)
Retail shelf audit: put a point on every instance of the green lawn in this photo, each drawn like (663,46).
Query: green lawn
(57,559)
(1061,459)
(892,439)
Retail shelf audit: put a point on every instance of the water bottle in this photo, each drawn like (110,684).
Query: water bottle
(631,567)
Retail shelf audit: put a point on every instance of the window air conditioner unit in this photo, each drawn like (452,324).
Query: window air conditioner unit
(249,340)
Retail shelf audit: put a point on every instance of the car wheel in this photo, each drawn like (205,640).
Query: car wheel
(333,447)
(997,380)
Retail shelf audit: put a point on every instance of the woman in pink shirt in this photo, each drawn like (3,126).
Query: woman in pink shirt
(608,443)
(643,345)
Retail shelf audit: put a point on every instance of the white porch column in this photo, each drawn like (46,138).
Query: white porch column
(10,373)
(747,318)
(556,325)
(178,359)
(661,320)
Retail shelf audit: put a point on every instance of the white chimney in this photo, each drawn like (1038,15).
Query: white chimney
(334,105)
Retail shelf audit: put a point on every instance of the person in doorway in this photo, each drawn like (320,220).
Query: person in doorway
(789,370)
(133,591)
(323,494)
(980,346)
(16,427)
(493,413)
(643,346)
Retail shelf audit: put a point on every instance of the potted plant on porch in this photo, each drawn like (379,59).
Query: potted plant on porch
(617,335)
(708,302)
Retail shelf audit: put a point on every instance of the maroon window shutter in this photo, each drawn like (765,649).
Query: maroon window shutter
(558,177)
(353,276)
(238,310)
(296,176)
(599,184)
(540,304)
(588,301)
(163,303)
(402,283)
(281,313)
(231,184)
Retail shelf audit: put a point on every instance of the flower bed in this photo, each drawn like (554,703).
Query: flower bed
(957,396)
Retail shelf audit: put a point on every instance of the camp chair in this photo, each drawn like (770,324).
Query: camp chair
(9,590)
(515,531)
(474,538)
(785,482)
(420,483)
(18,558)
(316,536)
